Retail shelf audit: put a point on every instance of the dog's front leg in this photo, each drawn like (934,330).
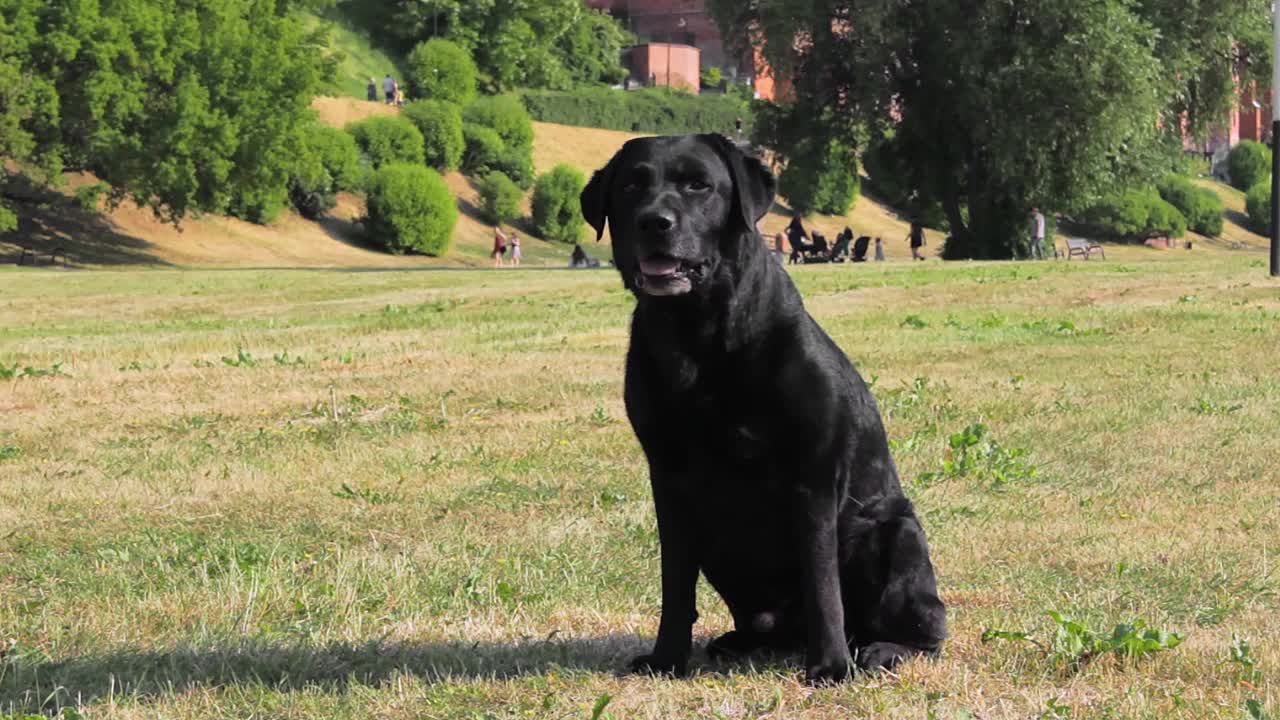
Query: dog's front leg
(827,656)
(679,582)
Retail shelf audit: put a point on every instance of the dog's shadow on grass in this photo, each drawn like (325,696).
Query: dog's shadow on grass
(145,674)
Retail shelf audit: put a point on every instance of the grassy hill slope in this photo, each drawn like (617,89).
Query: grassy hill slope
(132,236)
(359,58)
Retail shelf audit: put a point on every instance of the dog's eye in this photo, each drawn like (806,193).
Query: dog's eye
(631,187)
(697,185)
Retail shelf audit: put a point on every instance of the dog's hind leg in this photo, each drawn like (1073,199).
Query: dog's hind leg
(902,615)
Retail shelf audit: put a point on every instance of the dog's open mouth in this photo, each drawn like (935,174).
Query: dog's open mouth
(667,276)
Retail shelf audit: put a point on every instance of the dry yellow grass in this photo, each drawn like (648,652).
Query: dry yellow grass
(327,494)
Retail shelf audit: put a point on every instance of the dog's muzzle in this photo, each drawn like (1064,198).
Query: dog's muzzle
(668,276)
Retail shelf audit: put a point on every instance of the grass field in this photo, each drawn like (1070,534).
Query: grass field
(328,494)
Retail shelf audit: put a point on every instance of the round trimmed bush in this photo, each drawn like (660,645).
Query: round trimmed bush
(1257,203)
(441,126)
(338,152)
(387,139)
(484,149)
(1137,215)
(556,214)
(820,177)
(499,198)
(507,116)
(1200,206)
(442,70)
(1248,163)
(410,209)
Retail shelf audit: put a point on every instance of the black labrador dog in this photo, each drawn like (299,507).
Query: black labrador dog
(770,467)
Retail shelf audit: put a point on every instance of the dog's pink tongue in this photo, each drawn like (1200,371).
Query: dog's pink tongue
(659,267)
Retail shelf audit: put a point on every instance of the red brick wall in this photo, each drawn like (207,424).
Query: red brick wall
(652,60)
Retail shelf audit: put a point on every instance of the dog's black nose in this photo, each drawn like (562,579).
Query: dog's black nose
(658,222)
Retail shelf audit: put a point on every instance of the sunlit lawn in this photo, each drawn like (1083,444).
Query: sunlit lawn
(316,494)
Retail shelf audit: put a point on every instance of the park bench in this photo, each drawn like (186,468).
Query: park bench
(1083,248)
(31,256)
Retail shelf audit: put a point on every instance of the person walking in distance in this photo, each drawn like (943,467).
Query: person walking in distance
(879,250)
(499,246)
(916,237)
(1037,234)
(389,89)
(515,249)
(372,90)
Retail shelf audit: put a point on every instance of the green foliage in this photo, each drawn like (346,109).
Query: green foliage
(1249,164)
(16,371)
(87,196)
(820,177)
(441,126)
(506,116)
(591,50)
(711,76)
(545,44)
(1136,215)
(888,178)
(652,110)
(508,119)
(8,220)
(1074,644)
(386,139)
(327,161)
(338,153)
(184,106)
(1257,204)
(972,452)
(410,209)
(1200,206)
(484,149)
(499,198)
(556,214)
(443,71)
(1053,105)
(1241,654)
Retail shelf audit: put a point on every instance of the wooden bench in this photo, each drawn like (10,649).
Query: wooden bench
(1083,248)
(34,256)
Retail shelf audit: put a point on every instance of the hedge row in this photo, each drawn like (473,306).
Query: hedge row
(660,111)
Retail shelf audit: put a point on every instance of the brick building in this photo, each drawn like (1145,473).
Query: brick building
(667,30)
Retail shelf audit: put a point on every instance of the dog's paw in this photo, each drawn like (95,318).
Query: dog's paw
(731,646)
(882,656)
(829,671)
(654,665)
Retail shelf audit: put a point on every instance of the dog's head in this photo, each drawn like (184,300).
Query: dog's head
(677,208)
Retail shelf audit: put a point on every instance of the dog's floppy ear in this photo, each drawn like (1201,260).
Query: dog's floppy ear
(753,183)
(595,196)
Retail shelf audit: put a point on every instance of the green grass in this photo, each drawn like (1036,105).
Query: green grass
(360,60)
(415,494)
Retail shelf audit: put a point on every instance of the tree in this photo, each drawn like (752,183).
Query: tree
(996,106)
(499,198)
(556,214)
(183,105)
(443,71)
(543,44)
(441,126)
(507,117)
(410,209)
(386,139)
(820,177)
